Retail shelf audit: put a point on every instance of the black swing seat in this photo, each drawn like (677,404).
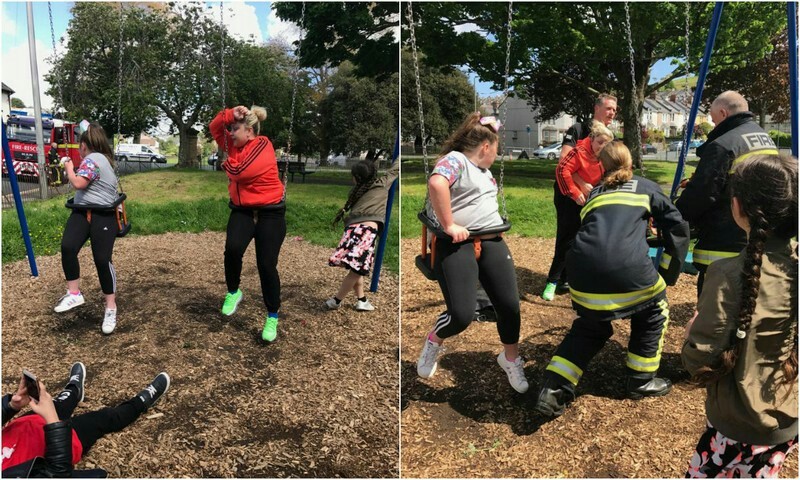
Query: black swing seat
(117,207)
(424,263)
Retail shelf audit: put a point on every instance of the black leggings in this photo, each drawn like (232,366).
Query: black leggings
(568,221)
(458,274)
(91,426)
(103,232)
(268,226)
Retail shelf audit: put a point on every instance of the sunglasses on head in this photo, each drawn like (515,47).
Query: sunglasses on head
(492,123)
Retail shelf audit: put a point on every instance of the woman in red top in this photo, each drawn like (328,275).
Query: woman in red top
(569,197)
(257,207)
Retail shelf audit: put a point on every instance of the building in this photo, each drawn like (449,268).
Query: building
(7,92)
(523,131)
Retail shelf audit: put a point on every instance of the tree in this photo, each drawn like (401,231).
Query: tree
(359,32)
(764,82)
(447,97)
(564,53)
(360,113)
(17,103)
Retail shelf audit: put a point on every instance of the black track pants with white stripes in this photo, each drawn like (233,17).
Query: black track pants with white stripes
(103,232)
(458,273)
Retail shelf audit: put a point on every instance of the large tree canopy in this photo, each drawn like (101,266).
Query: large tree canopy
(362,33)
(563,53)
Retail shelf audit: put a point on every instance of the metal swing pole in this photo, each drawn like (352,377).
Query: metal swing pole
(23,222)
(698,94)
(376,273)
(794,84)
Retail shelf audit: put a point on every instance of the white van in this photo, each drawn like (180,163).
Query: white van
(138,152)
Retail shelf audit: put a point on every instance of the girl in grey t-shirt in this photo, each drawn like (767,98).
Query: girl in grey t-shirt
(96,184)
(463,197)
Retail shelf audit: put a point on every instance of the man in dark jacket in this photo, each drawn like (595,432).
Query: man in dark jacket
(706,201)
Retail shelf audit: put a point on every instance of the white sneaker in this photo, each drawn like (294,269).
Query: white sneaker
(110,321)
(364,306)
(515,372)
(68,302)
(331,304)
(426,365)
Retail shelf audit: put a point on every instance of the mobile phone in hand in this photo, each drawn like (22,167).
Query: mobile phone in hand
(31,384)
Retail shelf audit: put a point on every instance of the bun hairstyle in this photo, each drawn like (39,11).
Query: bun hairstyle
(365,172)
(617,164)
(469,135)
(255,117)
(766,188)
(96,141)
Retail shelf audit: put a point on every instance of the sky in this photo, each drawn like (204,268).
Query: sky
(241,19)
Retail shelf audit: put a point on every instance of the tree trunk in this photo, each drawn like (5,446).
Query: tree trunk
(187,148)
(137,137)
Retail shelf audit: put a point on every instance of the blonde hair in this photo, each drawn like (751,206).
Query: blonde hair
(600,130)
(617,163)
(255,117)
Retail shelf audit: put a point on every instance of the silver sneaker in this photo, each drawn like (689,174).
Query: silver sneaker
(110,321)
(364,306)
(331,304)
(515,372)
(426,365)
(68,302)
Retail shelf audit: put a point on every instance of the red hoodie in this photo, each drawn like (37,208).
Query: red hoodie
(580,160)
(23,440)
(252,169)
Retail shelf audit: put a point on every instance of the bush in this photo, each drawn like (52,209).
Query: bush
(781,139)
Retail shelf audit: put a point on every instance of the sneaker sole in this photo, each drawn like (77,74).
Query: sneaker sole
(236,306)
(639,396)
(430,375)
(62,310)
(83,381)
(365,309)
(509,378)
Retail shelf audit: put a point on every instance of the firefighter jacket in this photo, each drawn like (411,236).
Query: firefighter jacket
(610,273)
(706,201)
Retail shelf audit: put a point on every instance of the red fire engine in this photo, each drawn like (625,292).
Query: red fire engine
(21,134)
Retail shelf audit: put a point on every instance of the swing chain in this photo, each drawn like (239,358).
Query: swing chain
(119,88)
(412,35)
(504,113)
(686,126)
(296,77)
(222,54)
(634,87)
(53,39)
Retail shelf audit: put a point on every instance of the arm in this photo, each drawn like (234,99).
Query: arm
(8,410)
(57,437)
(439,189)
(252,162)
(85,174)
(391,175)
(675,232)
(564,171)
(218,132)
(711,330)
(12,404)
(707,184)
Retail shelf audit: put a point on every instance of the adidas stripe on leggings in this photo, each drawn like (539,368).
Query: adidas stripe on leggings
(103,232)
(458,273)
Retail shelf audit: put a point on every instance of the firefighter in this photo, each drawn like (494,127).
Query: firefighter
(706,200)
(612,277)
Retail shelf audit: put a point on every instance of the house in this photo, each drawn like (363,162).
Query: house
(523,131)
(7,92)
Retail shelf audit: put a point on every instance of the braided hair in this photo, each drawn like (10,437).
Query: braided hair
(766,188)
(366,173)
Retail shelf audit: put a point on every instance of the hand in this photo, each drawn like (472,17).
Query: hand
(44,407)
(20,397)
(581,200)
(457,233)
(240,112)
(689,326)
(64,161)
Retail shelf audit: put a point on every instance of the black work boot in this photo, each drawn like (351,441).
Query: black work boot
(647,386)
(562,288)
(552,398)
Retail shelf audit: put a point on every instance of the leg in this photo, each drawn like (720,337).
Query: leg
(92,426)
(567,224)
(240,230)
(66,401)
(457,273)
(358,288)
(648,328)
(103,232)
(349,282)
(269,233)
(75,235)
(701,276)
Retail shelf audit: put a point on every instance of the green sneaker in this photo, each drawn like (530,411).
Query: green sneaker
(549,291)
(270,332)
(231,302)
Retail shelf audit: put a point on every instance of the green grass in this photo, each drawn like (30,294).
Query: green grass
(529,193)
(172,200)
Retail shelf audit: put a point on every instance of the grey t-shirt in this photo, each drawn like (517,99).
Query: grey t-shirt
(102,189)
(473,192)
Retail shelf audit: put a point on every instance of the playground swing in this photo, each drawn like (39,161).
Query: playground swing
(425,261)
(118,206)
